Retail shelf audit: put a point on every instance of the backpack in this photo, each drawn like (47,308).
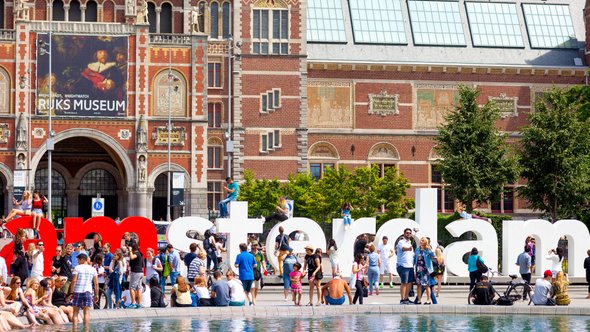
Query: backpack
(504,300)
(166,267)
(481,267)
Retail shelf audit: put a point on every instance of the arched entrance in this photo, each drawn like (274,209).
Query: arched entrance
(98,182)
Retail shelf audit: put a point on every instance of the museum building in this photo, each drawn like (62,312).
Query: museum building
(116,97)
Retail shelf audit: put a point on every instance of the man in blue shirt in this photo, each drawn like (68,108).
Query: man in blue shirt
(232,189)
(220,291)
(245,262)
(174,261)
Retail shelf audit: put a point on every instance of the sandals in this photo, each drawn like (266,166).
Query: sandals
(426,303)
(309,304)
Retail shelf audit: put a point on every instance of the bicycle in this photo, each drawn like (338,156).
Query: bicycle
(515,291)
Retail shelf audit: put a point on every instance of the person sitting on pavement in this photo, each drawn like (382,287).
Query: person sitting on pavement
(483,292)
(220,291)
(543,290)
(333,292)
(560,286)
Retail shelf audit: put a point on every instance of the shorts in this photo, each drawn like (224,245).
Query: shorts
(335,263)
(385,267)
(332,301)
(37,211)
(247,284)
(257,284)
(82,300)
(286,281)
(406,274)
(237,304)
(135,280)
(296,290)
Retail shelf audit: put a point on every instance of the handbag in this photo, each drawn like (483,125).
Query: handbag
(481,267)
(257,274)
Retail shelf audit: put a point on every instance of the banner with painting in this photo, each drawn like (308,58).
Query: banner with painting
(88,75)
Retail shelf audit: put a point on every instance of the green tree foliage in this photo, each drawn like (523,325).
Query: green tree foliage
(555,156)
(391,192)
(476,161)
(262,194)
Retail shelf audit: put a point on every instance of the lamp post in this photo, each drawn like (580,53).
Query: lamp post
(228,142)
(169,175)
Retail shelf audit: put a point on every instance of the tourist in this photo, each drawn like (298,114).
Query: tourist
(146,296)
(556,258)
(43,294)
(25,207)
(260,270)
(232,189)
(153,266)
(211,250)
(100,273)
(220,290)
(29,257)
(587,267)
(37,211)
(281,213)
(295,281)
(38,261)
(164,258)
(58,297)
(96,246)
(118,267)
(32,300)
(531,243)
(423,257)
(129,240)
(219,248)
(237,295)
(108,258)
(3,271)
(333,255)
(464,215)
(288,265)
(203,294)
(197,267)
(333,292)
(358,272)
(181,293)
(483,293)
(281,248)
(82,285)
(385,251)
(373,270)
(16,298)
(405,265)
(439,268)
(20,266)
(543,290)
(156,294)
(524,264)
(245,262)
(314,273)
(8,313)
(19,238)
(125,301)
(345,210)
(188,258)
(360,245)
(77,250)
(136,265)
(474,273)
(174,263)
(560,286)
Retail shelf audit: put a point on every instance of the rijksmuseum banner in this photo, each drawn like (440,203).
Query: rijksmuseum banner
(88,75)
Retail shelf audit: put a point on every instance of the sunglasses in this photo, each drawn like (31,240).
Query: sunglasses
(17,283)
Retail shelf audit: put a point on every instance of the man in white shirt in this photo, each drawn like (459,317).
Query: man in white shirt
(85,289)
(385,251)
(405,265)
(38,261)
(543,290)
(3,270)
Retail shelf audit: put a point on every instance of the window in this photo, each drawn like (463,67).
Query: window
(214,20)
(214,78)
(58,13)
(270,38)
(214,115)
(494,24)
(383,168)
(214,153)
(59,198)
(506,202)
(445,202)
(1,14)
(549,26)
(98,181)
(213,194)
(91,11)
(317,170)
(325,21)
(166,18)
(4,91)
(270,141)
(436,23)
(270,101)
(75,13)
(152,17)
(226,20)
(377,22)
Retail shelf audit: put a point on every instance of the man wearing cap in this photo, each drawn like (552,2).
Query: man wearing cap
(543,290)
(385,251)
(85,288)
(333,292)
(37,268)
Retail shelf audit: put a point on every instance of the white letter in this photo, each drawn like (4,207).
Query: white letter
(486,243)
(345,239)
(176,232)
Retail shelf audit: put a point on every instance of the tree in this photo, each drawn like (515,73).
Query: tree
(262,194)
(555,156)
(476,161)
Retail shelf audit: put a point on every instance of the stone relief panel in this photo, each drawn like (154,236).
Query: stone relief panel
(330,104)
(507,105)
(383,104)
(383,151)
(433,101)
(169,94)
(4,133)
(323,150)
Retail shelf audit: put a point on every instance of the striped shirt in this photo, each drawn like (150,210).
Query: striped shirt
(85,281)
(193,269)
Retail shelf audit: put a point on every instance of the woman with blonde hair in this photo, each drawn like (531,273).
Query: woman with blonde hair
(44,294)
(439,268)
(281,213)
(15,298)
(25,207)
(181,292)
(423,257)
(560,286)
(33,301)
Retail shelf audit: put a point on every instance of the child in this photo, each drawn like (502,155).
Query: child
(125,301)
(296,288)
(345,213)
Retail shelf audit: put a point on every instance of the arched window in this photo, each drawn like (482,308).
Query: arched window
(58,10)
(226,20)
(214,153)
(1,14)
(108,9)
(4,91)
(214,20)
(202,10)
(152,17)
(91,11)
(166,18)
(169,84)
(385,155)
(94,182)
(75,13)
(322,155)
(59,202)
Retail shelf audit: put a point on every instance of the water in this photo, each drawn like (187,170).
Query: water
(376,323)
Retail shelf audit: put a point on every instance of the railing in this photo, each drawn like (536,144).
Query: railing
(7,35)
(170,39)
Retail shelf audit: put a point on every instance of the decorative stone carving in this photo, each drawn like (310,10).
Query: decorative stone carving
(141,135)
(21,134)
(330,104)
(383,104)
(142,12)
(508,105)
(141,168)
(383,151)
(4,133)
(323,150)
(169,94)
(39,133)
(198,18)
(124,134)
(130,7)
(21,10)
(21,161)
(177,136)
